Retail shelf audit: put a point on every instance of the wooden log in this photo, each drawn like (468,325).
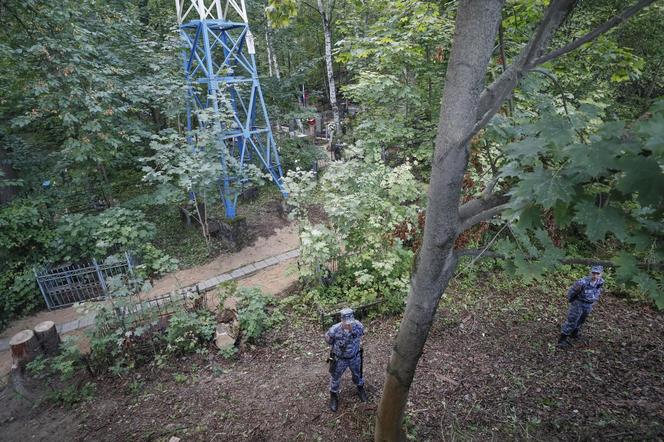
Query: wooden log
(48,337)
(25,347)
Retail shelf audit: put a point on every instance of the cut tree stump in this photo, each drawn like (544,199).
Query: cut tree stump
(25,347)
(226,335)
(48,337)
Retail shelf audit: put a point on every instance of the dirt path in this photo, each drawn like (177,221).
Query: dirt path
(281,241)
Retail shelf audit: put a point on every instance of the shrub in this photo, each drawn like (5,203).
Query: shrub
(24,234)
(252,311)
(189,331)
(58,372)
(358,256)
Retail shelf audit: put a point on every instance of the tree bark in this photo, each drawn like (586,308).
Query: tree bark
(476,27)
(327,35)
(269,53)
(24,347)
(277,71)
(272,55)
(48,337)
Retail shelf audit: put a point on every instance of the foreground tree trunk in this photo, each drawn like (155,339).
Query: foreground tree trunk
(327,35)
(467,107)
(476,27)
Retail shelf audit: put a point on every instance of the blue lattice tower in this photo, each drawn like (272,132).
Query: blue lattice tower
(222,79)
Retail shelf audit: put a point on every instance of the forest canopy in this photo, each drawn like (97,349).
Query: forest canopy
(94,144)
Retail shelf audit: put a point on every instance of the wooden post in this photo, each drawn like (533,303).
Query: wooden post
(25,347)
(48,337)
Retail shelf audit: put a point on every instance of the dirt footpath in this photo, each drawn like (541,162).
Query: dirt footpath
(281,241)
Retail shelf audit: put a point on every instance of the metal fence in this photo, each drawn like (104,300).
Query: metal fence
(63,286)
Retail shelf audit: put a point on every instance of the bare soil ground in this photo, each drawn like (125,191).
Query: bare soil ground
(490,370)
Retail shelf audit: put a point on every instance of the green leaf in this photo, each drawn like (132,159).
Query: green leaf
(530,217)
(640,240)
(591,161)
(653,130)
(528,270)
(600,221)
(643,175)
(527,151)
(651,288)
(626,266)
(555,129)
(546,187)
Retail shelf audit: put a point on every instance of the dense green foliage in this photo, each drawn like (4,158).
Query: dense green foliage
(581,174)
(94,161)
(357,255)
(602,177)
(86,85)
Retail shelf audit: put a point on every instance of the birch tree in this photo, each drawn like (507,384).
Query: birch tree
(325,9)
(468,105)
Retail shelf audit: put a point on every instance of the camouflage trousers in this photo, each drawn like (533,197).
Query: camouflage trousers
(340,367)
(578,311)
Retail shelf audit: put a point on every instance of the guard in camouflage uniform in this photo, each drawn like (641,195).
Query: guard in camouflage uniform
(345,339)
(582,295)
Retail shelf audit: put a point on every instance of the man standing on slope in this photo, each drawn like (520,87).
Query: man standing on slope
(345,339)
(582,295)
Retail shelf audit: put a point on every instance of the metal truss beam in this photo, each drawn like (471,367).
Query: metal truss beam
(222,80)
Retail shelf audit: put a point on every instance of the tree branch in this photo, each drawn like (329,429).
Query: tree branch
(486,193)
(482,216)
(495,94)
(627,13)
(481,253)
(332,4)
(314,8)
(477,205)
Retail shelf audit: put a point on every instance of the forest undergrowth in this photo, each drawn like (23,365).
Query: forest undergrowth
(490,370)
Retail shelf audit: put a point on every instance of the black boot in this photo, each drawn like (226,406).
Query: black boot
(334,401)
(575,335)
(563,341)
(361,393)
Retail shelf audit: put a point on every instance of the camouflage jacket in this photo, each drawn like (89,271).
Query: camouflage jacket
(585,290)
(345,344)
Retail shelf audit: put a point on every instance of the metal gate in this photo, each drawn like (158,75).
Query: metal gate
(63,286)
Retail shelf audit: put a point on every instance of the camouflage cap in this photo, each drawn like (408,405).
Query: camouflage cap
(346,315)
(596,269)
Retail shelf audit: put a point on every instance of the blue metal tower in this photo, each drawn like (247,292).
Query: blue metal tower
(224,92)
